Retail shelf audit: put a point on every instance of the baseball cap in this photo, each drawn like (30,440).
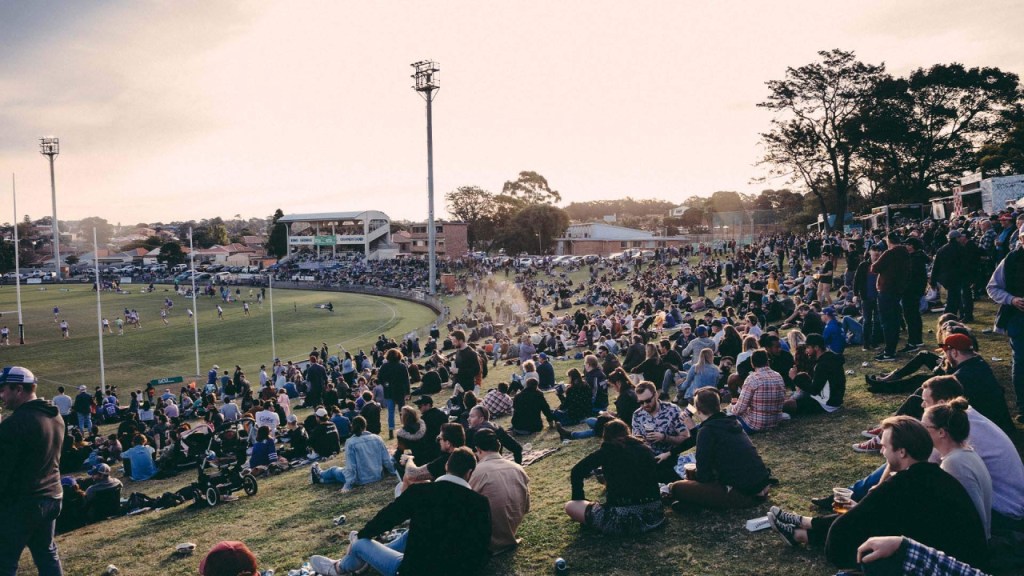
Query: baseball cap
(216,367)
(702,330)
(954,234)
(961,342)
(100,469)
(424,400)
(321,412)
(17,375)
(228,558)
(828,310)
(293,418)
(68,481)
(542,356)
(82,388)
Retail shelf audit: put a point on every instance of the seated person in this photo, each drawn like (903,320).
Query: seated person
(625,405)
(527,408)
(366,456)
(229,558)
(632,504)
(730,472)
(823,391)
(324,438)
(452,436)
(138,460)
(762,396)
(906,378)
(103,496)
(478,420)
(506,486)
(576,400)
(497,401)
(919,501)
(297,439)
(663,426)
(449,529)
(883,555)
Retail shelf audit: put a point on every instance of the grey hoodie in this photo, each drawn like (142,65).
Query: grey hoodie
(30,445)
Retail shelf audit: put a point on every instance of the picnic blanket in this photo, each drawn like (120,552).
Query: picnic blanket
(531,456)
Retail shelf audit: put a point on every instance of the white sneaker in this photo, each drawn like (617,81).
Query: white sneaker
(325,566)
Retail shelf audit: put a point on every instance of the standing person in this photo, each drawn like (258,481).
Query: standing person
(394,375)
(1006,288)
(316,374)
(893,269)
(865,287)
(467,362)
(83,405)
(31,439)
(64,330)
(63,402)
(911,301)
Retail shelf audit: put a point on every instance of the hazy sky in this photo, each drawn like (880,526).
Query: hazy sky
(177,110)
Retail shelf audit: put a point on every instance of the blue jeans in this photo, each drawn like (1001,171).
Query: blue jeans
(30,523)
(84,422)
(589,432)
(891,312)
(563,418)
(861,487)
(332,475)
(391,413)
(385,559)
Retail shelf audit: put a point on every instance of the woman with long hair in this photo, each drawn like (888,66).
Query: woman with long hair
(632,504)
(731,343)
(651,369)
(703,373)
(576,400)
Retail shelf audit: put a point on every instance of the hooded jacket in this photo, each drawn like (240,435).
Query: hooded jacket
(726,455)
(30,445)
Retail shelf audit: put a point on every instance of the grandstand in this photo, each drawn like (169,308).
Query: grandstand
(367,232)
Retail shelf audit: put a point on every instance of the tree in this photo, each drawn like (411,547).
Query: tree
(1006,155)
(534,228)
(531,188)
(474,206)
(817,130)
(277,242)
(171,254)
(104,230)
(923,132)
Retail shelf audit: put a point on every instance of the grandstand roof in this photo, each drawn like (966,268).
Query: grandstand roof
(328,216)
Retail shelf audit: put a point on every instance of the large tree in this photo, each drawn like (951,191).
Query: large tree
(171,254)
(1005,155)
(924,131)
(534,228)
(474,206)
(817,131)
(531,188)
(104,230)
(277,241)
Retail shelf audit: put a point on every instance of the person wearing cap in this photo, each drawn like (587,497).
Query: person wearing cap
(83,406)
(31,439)
(324,438)
(824,391)
(229,558)
(893,269)
(835,339)
(103,496)
(948,271)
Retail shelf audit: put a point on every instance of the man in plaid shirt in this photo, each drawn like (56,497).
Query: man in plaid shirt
(899,555)
(761,397)
(497,401)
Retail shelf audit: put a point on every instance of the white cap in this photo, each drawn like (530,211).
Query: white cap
(321,412)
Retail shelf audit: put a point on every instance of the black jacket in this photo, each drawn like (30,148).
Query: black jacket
(449,528)
(395,378)
(30,445)
(527,407)
(984,392)
(635,354)
(725,455)
(949,264)
(630,472)
(918,279)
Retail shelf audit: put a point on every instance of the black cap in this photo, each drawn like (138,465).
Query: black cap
(424,400)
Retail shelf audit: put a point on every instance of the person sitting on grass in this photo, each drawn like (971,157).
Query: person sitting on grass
(506,486)
(822,392)
(576,400)
(762,396)
(919,501)
(632,504)
(906,378)
(730,472)
(452,437)
(366,456)
(138,460)
(229,558)
(663,426)
(527,408)
(884,555)
(449,530)
(625,405)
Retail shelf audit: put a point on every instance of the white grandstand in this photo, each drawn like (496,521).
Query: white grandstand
(367,232)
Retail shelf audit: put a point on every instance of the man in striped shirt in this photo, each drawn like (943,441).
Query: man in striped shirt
(761,397)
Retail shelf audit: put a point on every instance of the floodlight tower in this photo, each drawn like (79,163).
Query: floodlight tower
(428,81)
(50,147)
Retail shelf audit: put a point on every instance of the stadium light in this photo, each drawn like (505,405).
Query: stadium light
(17,265)
(428,81)
(50,147)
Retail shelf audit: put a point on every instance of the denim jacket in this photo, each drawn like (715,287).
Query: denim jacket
(366,456)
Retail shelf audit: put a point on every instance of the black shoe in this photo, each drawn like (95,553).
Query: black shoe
(883,357)
(783,529)
(824,503)
(910,348)
(562,432)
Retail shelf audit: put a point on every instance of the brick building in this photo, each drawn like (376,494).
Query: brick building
(451,237)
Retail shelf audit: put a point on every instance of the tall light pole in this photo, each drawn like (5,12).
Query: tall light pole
(428,81)
(50,147)
(195,308)
(17,265)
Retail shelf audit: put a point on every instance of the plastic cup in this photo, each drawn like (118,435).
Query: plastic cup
(842,500)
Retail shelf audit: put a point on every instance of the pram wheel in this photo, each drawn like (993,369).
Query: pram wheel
(211,496)
(249,485)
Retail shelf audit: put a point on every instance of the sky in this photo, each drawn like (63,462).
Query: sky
(193,109)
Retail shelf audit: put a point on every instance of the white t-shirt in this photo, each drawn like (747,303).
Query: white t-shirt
(63,403)
(268,418)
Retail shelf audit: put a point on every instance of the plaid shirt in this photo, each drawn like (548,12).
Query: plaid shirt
(497,404)
(987,242)
(761,398)
(921,560)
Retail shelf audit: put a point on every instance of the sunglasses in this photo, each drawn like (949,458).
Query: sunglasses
(647,400)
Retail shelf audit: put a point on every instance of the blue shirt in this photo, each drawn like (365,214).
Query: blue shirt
(263,453)
(141,458)
(343,425)
(835,340)
(366,457)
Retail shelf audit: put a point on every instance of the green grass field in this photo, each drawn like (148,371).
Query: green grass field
(157,350)
(290,519)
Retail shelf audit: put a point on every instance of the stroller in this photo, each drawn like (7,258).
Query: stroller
(220,467)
